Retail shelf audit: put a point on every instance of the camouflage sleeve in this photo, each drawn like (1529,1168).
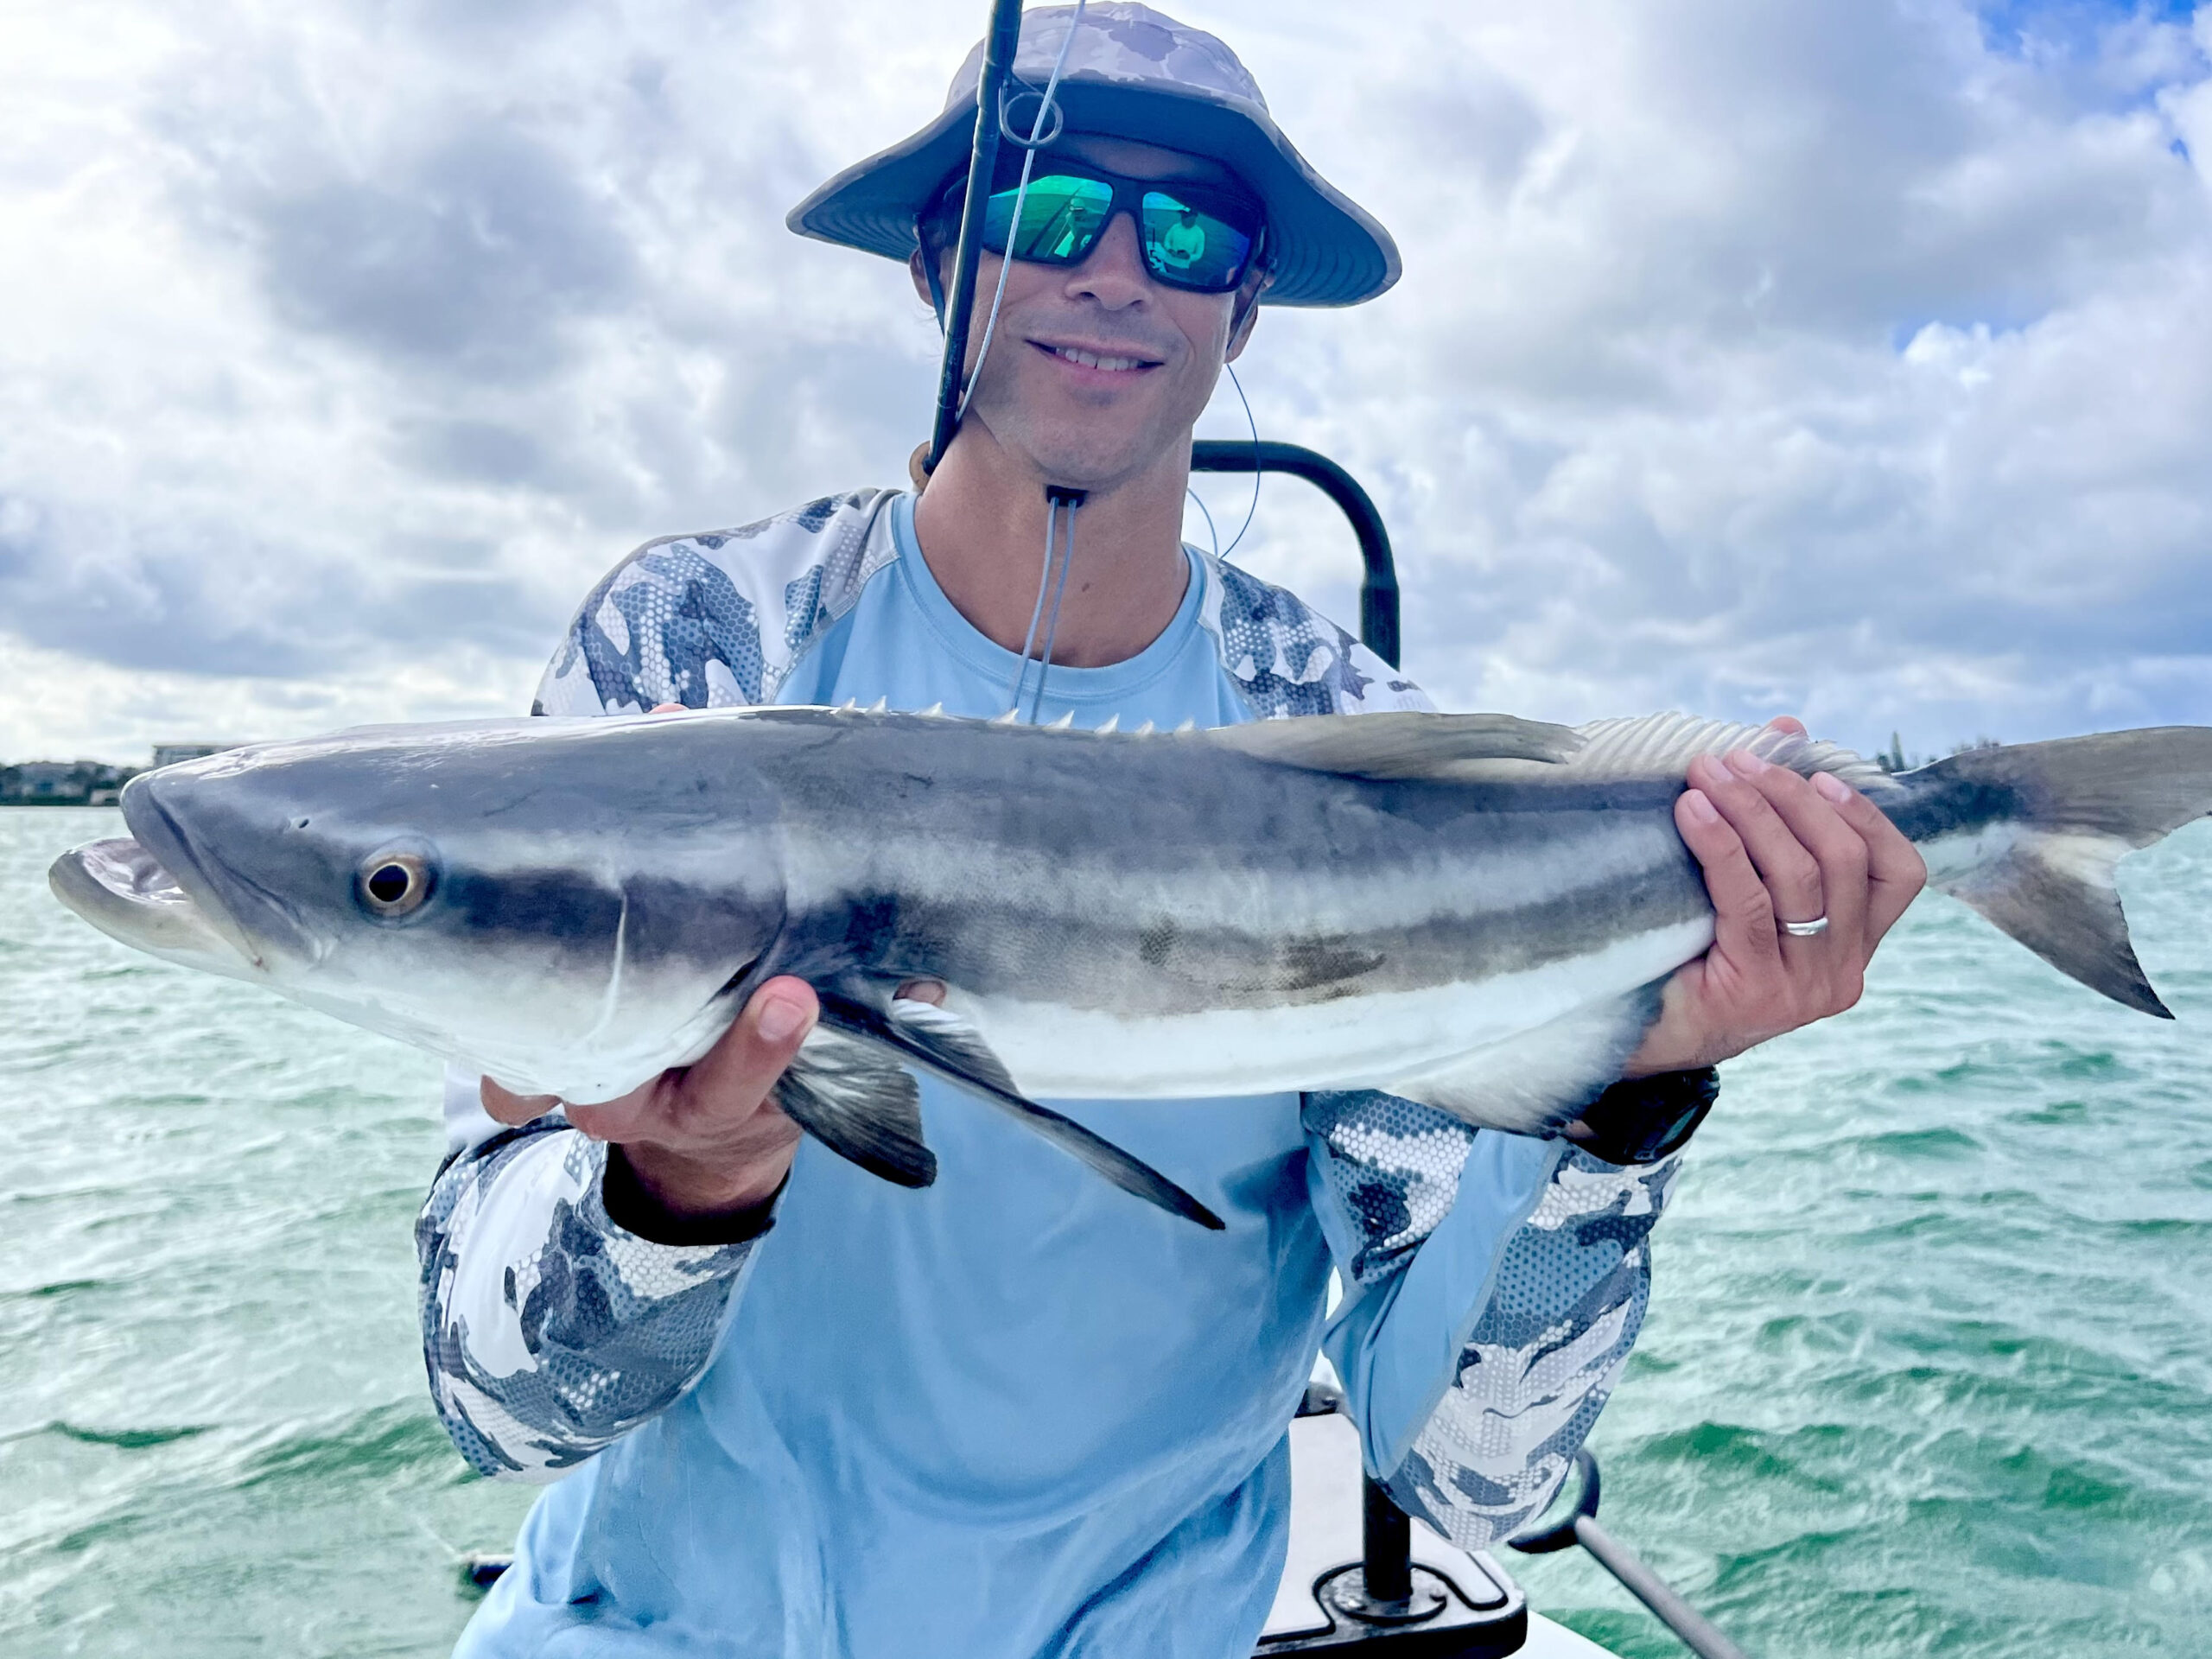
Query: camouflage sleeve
(548,1330)
(1494,1285)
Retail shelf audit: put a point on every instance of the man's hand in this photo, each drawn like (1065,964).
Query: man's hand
(1777,847)
(705,1140)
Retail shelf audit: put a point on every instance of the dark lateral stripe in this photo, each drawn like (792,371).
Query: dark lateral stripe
(1151,965)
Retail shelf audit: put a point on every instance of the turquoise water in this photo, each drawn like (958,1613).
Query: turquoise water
(1930,1370)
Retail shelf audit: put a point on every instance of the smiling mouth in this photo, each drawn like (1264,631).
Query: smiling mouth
(1104,362)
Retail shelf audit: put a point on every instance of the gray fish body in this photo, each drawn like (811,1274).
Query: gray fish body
(1470,911)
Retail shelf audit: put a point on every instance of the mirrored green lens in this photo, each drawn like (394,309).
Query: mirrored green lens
(1190,247)
(1061,217)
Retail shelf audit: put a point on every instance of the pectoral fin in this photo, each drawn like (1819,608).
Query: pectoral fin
(860,1104)
(949,1047)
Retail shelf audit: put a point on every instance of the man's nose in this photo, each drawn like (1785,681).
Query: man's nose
(1114,275)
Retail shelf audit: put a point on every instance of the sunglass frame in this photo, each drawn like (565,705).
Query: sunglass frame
(1239,211)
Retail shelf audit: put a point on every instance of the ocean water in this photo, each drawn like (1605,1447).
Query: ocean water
(1928,1370)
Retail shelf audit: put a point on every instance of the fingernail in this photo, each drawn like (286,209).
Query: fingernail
(780,1020)
(1745,764)
(1695,803)
(1832,786)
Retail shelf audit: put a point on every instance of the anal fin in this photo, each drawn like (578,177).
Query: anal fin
(858,1102)
(948,1047)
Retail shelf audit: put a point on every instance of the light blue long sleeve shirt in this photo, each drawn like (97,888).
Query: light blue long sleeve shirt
(1017,1413)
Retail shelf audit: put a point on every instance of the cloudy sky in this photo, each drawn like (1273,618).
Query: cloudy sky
(1846,357)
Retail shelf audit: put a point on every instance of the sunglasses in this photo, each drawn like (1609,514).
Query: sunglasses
(1199,236)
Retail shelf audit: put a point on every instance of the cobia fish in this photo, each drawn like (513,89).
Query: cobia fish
(1470,911)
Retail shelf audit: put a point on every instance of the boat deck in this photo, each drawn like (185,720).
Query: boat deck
(1482,1611)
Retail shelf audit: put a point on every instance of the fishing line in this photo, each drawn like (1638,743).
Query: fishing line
(1254,425)
(1213,536)
(456,1556)
(1036,140)
(1074,498)
(1044,580)
(1199,502)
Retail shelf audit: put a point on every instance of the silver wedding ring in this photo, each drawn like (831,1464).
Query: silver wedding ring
(1811,930)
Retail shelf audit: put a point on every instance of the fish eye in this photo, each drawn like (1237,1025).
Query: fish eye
(395,882)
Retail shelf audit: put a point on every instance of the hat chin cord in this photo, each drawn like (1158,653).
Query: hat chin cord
(1057,496)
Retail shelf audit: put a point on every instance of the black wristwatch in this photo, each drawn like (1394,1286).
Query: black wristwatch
(1642,1120)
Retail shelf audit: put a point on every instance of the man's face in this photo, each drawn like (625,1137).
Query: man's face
(1096,369)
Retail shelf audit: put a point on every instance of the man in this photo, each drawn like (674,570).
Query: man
(800,1411)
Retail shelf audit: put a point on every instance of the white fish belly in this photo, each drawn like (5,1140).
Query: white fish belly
(1354,1042)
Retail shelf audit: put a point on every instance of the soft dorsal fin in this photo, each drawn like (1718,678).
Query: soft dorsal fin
(1401,744)
(1663,746)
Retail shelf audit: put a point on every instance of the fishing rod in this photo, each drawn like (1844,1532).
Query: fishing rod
(1000,44)
(1693,1628)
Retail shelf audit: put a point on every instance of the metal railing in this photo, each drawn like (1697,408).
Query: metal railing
(1378,588)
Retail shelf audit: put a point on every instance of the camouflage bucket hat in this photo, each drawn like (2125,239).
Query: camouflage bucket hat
(1131,73)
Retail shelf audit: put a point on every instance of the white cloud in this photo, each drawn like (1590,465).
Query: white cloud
(1854,358)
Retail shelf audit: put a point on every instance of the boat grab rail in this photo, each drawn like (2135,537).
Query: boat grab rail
(1378,588)
(1580,1526)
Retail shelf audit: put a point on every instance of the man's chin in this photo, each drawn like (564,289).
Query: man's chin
(1079,454)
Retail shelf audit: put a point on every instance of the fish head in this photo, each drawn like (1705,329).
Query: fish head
(569,914)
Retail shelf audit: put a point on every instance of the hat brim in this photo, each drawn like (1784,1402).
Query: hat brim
(1323,248)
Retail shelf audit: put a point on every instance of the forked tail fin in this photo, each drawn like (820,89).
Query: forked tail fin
(2028,835)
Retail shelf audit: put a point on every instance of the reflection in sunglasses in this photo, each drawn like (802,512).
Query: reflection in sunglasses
(1183,242)
(1062,215)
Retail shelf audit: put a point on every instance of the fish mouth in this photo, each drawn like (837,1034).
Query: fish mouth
(160,893)
(254,921)
(124,891)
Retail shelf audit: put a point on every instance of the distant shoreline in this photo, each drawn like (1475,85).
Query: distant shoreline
(87,783)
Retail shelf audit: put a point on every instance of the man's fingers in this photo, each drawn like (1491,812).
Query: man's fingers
(1895,870)
(722,1094)
(742,1067)
(1835,844)
(617,1119)
(511,1108)
(1791,874)
(1743,929)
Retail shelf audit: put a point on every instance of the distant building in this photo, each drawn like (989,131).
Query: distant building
(48,780)
(63,783)
(87,783)
(168,754)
